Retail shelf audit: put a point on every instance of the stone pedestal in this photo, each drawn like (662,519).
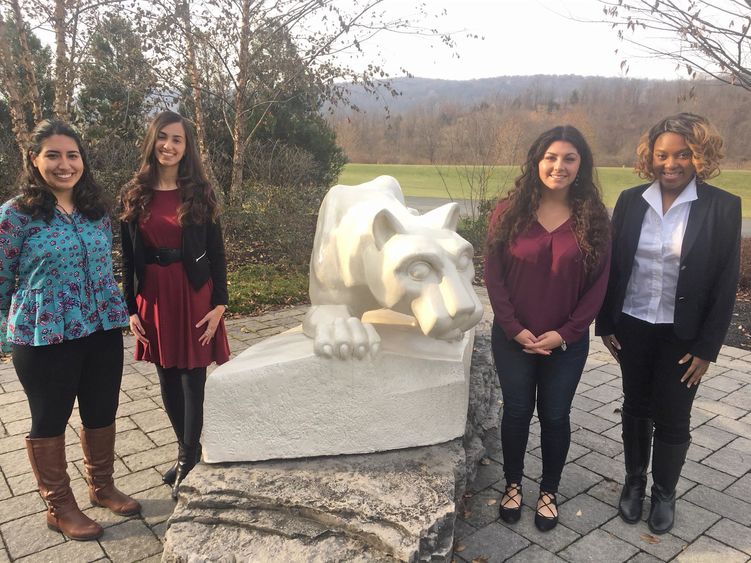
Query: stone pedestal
(279,400)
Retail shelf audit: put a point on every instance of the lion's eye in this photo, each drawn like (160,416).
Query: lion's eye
(419,270)
(464,262)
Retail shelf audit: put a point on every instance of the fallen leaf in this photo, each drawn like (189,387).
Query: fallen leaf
(459,548)
(467,514)
(484,461)
(578,512)
(492,501)
(649,538)
(481,559)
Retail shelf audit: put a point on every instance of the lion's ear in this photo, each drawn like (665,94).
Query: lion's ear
(444,217)
(385,226)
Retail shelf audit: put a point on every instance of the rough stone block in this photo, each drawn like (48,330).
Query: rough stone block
(279,400)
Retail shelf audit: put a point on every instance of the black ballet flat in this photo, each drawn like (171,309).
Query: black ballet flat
(546,523)
(510,515)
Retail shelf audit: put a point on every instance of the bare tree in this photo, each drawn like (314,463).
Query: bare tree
(712,36)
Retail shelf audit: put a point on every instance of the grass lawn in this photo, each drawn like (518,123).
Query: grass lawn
(420,180)
(257,287)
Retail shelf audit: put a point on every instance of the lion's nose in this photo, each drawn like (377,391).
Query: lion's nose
(457,297)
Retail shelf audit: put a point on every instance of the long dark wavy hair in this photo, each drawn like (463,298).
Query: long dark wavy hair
(591,224)
(37,199)
(199,202)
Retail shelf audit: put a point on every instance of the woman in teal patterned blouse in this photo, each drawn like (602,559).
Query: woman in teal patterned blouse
(61,317)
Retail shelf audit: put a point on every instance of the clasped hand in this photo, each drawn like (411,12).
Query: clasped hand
(543,344)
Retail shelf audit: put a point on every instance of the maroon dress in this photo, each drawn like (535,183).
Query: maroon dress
(168,305)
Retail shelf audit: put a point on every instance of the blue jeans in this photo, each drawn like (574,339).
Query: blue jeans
(548,381)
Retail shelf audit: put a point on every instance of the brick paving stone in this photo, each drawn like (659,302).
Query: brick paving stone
(735,458)
(740,398)
(691,520)
(602,464)
(610,411)
(643,558)
(741,376)
(494,542)
(133,483)
(665,546)
(487,475)
(710,437)
(581,419)
(605,394)
(558,538)
(730,425)
(130,541)
(575,451)
(4,555)
(597,442)
(461,530)
(14,412)
(741,488)
(717,407)
(698,453)
(12,386)
(12,397)
(584,513)
(584,403)
(149,421)
(134,407)
(74,551)
(576,479)
(699,417)
(732,352)
(160,530)
(597,377)
(156,504)
(722,383)
(151,458)
(732,534)
(707,393)
(163,436)
(5,491)
(477,512)
(536,554)
(132,441)
(707,550)
(700,473)
(721,504)
(608,492)
(151,391)
(598,546)
(28,535)
(133,381)
(24,483)
(14,463)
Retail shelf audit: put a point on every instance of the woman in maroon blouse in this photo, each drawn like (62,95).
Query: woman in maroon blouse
(546,271)
(175,278)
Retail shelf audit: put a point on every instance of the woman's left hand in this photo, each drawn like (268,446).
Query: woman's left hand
(546,342)
(695,371)
(211,320)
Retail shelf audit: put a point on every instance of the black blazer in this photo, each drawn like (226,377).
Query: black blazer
(202,253)
(709,266)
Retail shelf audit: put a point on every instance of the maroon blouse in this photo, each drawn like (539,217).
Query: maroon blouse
(538,282)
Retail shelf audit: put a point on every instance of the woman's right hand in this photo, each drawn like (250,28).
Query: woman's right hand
(526,339)
(137,329)
(612,344)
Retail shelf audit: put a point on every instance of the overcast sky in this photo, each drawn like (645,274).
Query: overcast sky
(521,37)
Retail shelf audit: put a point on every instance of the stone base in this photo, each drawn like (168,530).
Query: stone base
(388,506)
(279,400)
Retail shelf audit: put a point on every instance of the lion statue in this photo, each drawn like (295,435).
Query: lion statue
(372,252)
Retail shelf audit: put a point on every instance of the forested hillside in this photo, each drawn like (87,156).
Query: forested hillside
(493,121)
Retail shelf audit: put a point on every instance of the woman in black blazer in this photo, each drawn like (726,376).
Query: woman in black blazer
(175,277)
(673,278)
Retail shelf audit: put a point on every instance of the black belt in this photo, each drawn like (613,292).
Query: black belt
(162,256)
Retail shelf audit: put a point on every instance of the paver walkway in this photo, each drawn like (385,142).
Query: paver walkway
(714,509)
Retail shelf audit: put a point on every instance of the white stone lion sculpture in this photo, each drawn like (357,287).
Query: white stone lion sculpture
(372,252)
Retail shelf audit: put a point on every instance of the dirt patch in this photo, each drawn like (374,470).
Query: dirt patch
(739,333)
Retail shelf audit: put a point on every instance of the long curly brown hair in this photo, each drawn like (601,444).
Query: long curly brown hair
(37,199)
(591,224)
(199,202)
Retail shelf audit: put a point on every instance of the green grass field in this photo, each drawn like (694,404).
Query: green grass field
(420,180)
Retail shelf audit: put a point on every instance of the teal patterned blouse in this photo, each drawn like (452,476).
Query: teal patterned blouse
(56,280)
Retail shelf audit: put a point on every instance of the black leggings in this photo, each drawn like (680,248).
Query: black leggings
(53,376)
(652,385)
(182,394)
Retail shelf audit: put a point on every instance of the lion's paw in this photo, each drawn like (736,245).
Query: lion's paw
(345,339)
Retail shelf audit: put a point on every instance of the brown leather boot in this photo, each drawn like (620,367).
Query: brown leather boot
(47,457)
(98,446)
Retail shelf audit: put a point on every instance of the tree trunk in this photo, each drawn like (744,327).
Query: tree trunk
(60,106)
(239,127)
(12,90)
(183,10)
(28,63)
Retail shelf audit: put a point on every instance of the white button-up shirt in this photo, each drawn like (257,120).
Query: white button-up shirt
(650,294)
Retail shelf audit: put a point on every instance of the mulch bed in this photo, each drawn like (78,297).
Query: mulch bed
(739,333)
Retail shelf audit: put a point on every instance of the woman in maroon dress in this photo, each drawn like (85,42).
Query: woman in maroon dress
(175,277)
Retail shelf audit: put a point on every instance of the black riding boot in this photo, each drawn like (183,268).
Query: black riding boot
(637,444)
(667,462)
(187,458)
